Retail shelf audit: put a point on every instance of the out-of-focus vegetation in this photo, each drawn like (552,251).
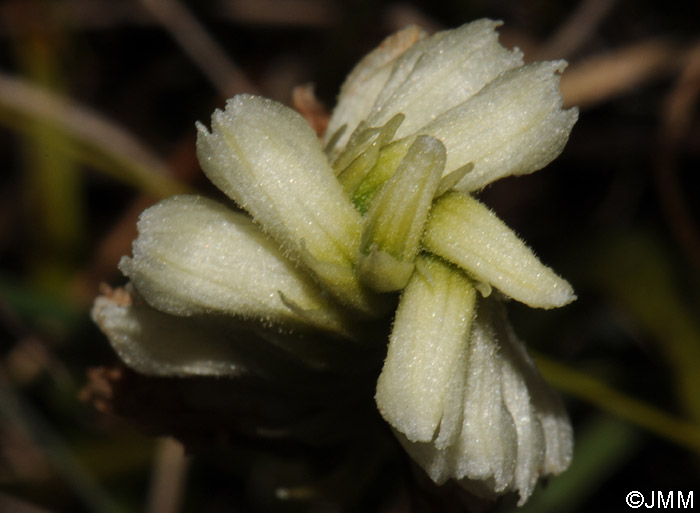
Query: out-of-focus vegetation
(98,100)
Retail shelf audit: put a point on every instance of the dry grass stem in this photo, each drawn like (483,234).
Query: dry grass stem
(676,121)
(22,99)
(605,76)
(576,30)
(201,47)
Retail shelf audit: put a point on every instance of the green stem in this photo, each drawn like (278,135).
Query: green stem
(603,396)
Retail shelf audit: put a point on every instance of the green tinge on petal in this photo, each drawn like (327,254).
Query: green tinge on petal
(442,71)
(362,152)
(267,158)
(383,272)
(515,125)
(465,232)
(390,156)
(194,255)
(397,216)
(431,328)
(362,86)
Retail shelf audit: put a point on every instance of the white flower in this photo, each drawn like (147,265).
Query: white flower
(334,233)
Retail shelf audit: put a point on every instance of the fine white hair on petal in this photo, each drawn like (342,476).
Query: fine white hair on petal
(487,447)
(441,72)
(194,255)
(511,422)
(464,231)
(549,410)
(515,125)
(432,323)
(266,157)
(395,221)
(365,82)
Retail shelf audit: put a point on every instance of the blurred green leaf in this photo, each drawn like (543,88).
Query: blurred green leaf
(97,141)
(638,272)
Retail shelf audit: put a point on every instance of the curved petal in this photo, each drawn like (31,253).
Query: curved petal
(465,232)
(515,125)
(266,157)
(441,72)
(157,344)
(397,216)
(364,83)
(431,327)
(194,255)
(511,421)
(545,436)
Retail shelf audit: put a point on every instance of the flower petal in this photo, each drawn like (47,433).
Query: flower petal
(465,232)
(443,71)
(266,157)
(511,420)
(432,324)
(154,343)
(194,255)
(395,221)
(545,437)
(364,83)
(515,125)
(549,410)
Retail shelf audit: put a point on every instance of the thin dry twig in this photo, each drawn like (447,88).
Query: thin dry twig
(69,14)
(677,118)
(576,30)
(309,13)
(607,75)
(166,491)
(193,38)
(305,102)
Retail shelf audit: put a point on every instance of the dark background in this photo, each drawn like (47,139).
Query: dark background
(616,214)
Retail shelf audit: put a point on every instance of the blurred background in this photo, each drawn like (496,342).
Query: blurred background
(98,100)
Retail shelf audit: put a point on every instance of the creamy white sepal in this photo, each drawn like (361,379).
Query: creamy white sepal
(157,344)
(267,158)
(511,421)
(549,411)
(194,255)
(465,232)
(515,125)
(441,72)
(364,83)
(431,326)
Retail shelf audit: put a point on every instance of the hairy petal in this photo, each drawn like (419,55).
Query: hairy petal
(154,343)
(266,157)
(364,83)
(397,216)
(515,125)
(465,232)
(194,255)
(432,325)
(511,421)
(443,71)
